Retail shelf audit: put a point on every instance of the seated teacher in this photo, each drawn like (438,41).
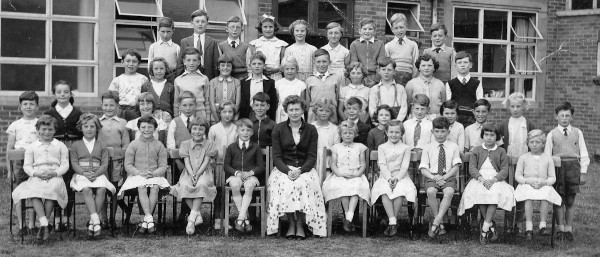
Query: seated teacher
(294,183)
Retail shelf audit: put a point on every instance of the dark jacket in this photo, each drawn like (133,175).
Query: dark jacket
(262,131)
(66,128)
(248,160)
(210,52)
(287,152)
(504,131)
(246,98)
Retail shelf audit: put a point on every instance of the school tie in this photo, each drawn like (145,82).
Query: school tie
(243,146)
(565,130)
(464,81)
(199,44)
(401,41)
(417,135)
(321,76)
(188,124)
(233,44)
(437,50)
(442,160)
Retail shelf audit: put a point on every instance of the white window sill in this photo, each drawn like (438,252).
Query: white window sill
(578,12)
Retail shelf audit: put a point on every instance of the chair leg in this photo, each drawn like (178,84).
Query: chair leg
(263,214)
(329,218)
(175,213)
(111,219)
(554,207)
(226,212)
(411,220)
(74,219)
(364,219)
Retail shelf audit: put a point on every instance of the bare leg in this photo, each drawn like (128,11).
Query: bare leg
(345,203)
(153,198)
(246,199)
(489,215)
(189,202)
(529,210)
(388,206)
(433,203)
(144,201)
(543,210)
(398,202)
(560,215)
(352,203)
(88,198)
(236,195)
(444,205)
(100,196)
(38,207)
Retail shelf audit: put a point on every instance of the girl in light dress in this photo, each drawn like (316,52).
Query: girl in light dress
(488,189)
(300,50)
(535,175)
(394,183)
(89,160)
(269,45)
(146,164)
(289,85)
(46,160)
(347,179)
(328,132)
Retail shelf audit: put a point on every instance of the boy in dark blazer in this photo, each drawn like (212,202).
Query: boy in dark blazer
(257,78)
(207,46)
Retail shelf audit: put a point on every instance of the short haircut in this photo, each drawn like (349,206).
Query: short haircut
(421,99)
(289,60)
(365,21)
(261,97)
(462,55)
(166,22)
(29,96)
(441,123)
(347,125)
(46,120)
(258,55)
(145,98)
(450,104)
(299,22)
(326,104)
(157,59)
(111,95)
(395,123)
(294,99)
(321,52)
(482,102)
(234,19)
(398,17)
(267,18)
(147,119)
(387,108)
(198,121)
(438,26)
(225,58)
(84,118)
(355,65)
(427,57)
(354,100)
(385,61)
(490,127)
(198,13)
(565,106)
(535,134)
(186,95)
(227,103)
(333,25)
(191,51)
(245,123)
(516,97)
(131,52)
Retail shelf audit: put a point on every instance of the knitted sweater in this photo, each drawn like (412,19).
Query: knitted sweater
(250,159)
(498,158)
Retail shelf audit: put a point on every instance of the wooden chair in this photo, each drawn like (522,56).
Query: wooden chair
(422,191)
(374,175)
(12,157)
(261,202)
(364,203)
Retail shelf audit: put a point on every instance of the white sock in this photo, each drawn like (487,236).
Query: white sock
(561,228)
(43,221)
(568,228)
(528,225)
(192,216)
(349,215)
(542,224)
(94,218)
(392,221)
(486,226)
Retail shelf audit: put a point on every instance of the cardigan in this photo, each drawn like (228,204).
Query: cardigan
(505,134)
(287,152)
(498,158)
(246,98)
(146,155)
(66,128)
(82,160)
(46,155)
(529,167)
(250,159)
(166,99)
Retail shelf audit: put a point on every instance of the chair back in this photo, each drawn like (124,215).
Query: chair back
(464,175)
(268,161)
(12,156)
(512,167)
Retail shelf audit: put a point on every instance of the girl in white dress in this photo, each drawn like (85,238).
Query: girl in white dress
(289,85)
(535,175)
(271,46)
(394,183)
(300,50)
(488,189)
(328,132)
(347,179)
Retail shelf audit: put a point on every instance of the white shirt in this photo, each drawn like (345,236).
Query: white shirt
(387,93)
(431,154)
(64,112)
(241,143)
(159,86)
(256,85)
(372,40)
(237,41)
(202,41)
(478,92)
(325,75)
(89,144)
(426,135)
(338,56)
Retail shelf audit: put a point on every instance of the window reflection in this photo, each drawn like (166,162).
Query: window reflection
(81,77)
(22,77)
(72,40)
(23,38)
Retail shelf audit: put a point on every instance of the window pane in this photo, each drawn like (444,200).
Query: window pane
(140,70)
(221,10)
(138,7)
(521,23)
(82,78)
(582,4)
(181,33)
(139,38)
(23,38)
(22,77)
(494,87)
(523,85)
(466,23)
(179,10)
(494,24)
(521,57)
(494,58)
(328,13)
(405,9)
(471,48)
(28,6)
(72,40)
(74,7)
(291,10)
(218,35)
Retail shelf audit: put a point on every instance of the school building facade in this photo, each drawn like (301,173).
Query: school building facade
(547,49)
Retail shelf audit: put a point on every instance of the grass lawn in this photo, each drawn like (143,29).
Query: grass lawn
(212,243)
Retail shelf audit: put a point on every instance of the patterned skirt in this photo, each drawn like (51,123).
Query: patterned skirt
(501,194)
(80,182)
(545,193)
(134,182)
(335,187)
(303,194)
(405,187)
(34,187)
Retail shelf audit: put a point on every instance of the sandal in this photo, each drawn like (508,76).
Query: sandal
(90,231)
(97,229)
(247,225)
(239,225)
(143,227)
(433,232)
(151,229)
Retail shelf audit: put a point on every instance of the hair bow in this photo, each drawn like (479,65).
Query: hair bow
(265,16)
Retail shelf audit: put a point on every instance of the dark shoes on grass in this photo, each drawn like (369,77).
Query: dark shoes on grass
(43,234)
(529,235)
(545,232)
(391,230)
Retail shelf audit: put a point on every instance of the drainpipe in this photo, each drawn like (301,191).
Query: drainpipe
(434,14)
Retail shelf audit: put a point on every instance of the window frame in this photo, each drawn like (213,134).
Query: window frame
(508,74)
(48,17)
(158,7)
(313,18)
(417,6)
(241,3)
(569,5)
(152,27)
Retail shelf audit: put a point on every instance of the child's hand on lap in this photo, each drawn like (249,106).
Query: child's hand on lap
(440,182)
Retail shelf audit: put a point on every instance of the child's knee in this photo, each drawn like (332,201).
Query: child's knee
(569,200)
(86,191)
(448,192)
(249,186)
(432,192)
(235,183)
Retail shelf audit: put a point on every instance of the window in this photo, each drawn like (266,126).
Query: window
(44,41)
(148,8)
(582,4)
(411,11)
(503,45)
